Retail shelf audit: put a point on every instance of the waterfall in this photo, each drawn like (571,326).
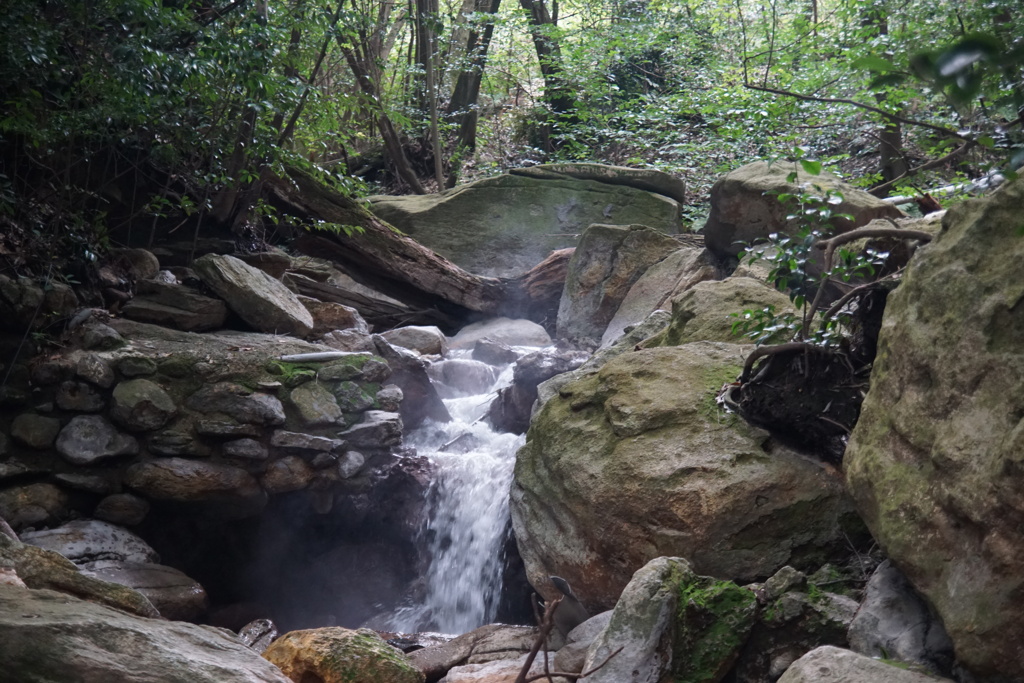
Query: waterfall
(468,503)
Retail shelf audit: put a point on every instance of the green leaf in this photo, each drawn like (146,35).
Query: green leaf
(986,141)
(886,80)
(812,167)
(873,63)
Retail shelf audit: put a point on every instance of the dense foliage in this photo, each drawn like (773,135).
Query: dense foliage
(134,120)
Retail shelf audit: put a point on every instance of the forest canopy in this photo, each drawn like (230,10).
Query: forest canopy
(125,121)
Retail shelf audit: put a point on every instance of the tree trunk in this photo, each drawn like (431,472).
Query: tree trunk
(463,105)
(556,92)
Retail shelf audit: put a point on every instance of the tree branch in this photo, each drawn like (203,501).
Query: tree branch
(842,100)
(884,187)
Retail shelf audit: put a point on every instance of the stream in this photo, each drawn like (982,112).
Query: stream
(465,528)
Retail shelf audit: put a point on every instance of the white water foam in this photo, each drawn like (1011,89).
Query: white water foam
(465,528)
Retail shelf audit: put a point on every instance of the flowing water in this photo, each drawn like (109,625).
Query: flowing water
(465,528)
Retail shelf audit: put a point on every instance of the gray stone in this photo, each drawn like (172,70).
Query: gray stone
(99,337)
(424,340)
(509,331)
(136,366)
(934,463)
(176,443)
(356,366)
(389,398)
(349,340)
(644,434)
(894,622)
(353,398)
(91,540)
(258,634)
(225,426)
(33,505)
(290,473)
(316,405)
(377,429)
(658,286)
(79,397)
(409,373)
(137,264)
(331,317)
(505,225)
(34,430)
(171,305)
(349,464)
(250,449)
(745,208)
(123,509)
(88,439)
(304,442)
(102,484)
(192,481)
(572,656)
(175,595)
(260,300)
(38,628)
(494,352)
(239,403)
(606,264)
(646,179)
(830,664)
(140,405)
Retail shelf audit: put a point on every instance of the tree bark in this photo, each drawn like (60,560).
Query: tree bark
(463,105)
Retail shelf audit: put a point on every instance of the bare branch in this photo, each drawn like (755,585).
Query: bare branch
(573,676)
(935,163)
(763,351)
(842,100)
(547,622)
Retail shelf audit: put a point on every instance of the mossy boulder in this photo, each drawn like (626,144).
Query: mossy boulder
(936,461)
(638,461)
(339,655)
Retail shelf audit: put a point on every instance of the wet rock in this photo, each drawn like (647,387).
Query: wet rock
(349,340)
(123,509)
(338,655)
(238,403)
(175,595)
(249,449)
(175,306)
(140,405)
(358,366)
(408,372)
(258,634)
(315,404)
(389,398)
(136,366)
(607,263)
(40,568)
(427,341)
(192,481)
(644,436)
(79,397)
(745,208)
(493,352)
(830,664)
(329,317)
(511,332)
(511,410)
(176,443)
(290,473)
(88,439)
(33,505)
(894,622)
(225,427)
(462,377)
(36,431)
(260,300)
(350,463)
(91,540)
(934,462)
(38,628)
(377,429)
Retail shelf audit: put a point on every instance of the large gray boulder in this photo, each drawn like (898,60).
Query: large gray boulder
(647,179)
(504,226)
(830,664)
(257,298)
(934,463)
(745,208)
(89,540)
(49,637)
(173,305)
(606,264)
(637,461)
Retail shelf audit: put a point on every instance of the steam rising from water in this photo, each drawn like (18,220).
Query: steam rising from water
(465,527)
